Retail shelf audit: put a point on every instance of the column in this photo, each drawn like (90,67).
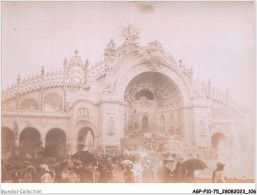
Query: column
(43,141)
(64,84)
(42,87)
(188,124)
(111,138)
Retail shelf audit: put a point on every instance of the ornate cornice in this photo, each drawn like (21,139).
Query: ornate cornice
(152,55)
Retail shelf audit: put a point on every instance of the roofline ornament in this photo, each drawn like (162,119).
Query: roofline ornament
(130,33)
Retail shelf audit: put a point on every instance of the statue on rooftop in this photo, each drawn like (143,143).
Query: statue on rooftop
(130,33)
(109,53)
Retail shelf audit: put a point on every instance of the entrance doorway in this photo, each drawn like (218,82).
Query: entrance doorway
(7,140)
(86,138)
(29,141)
(155,94)
(55,143)
(216,139)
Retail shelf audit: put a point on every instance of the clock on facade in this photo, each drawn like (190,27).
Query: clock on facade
(76,75)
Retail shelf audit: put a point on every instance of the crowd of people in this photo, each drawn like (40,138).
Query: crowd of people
(99,169)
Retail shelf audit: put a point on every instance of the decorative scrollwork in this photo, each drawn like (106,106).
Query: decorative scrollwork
(76,71)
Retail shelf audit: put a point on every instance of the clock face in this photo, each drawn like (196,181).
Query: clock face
(76,75)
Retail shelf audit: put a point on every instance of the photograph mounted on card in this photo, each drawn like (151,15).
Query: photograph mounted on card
(127,92)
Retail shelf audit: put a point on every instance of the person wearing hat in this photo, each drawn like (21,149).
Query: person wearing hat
(72,176)
(146,174)
(128,174)
(27,176)
(218,174)
(177,173)
(46,177)
(164,173)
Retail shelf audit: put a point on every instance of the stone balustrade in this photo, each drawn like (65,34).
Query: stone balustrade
(29,84)
(55,79)
(98,70)
(212,93)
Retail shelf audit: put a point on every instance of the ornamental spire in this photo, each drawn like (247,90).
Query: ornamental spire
(76,60)
(18,78)
(65,62)
(86,63)
(76,52)
(110,48)
(42,70)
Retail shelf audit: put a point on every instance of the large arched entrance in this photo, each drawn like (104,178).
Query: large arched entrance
(8,142)
(55,145)
(85,138)
(29,142)
(216,139)
(151,97)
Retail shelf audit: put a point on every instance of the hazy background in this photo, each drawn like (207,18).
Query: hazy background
(215,38)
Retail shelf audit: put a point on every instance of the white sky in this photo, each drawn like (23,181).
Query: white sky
(215,38)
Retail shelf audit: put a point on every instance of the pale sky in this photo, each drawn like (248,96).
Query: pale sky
(216,39)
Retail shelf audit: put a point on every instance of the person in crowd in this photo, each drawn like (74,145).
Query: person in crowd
(103,177)
(58,174)
(184,172)
(77,167)
(154,173)
(128,174)
(164,173)
(109,172)
(90,172)
(53,174)
(86,175)
(146,174)
(27,176)
(137,170)
(64,175)
(16,176)
(46,177)
(177,173)
(36,175)
(218,174)
(96,174)
(190,176)
(7,178)
(72,177)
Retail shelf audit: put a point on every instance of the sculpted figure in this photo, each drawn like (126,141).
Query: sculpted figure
(89,141)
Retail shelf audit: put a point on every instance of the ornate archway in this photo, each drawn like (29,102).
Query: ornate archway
(55,144)
(149,97)
(216,139)
(29,141)
(131,71)
(7,142)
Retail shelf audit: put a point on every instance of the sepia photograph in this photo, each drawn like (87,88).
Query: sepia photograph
(127,92)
